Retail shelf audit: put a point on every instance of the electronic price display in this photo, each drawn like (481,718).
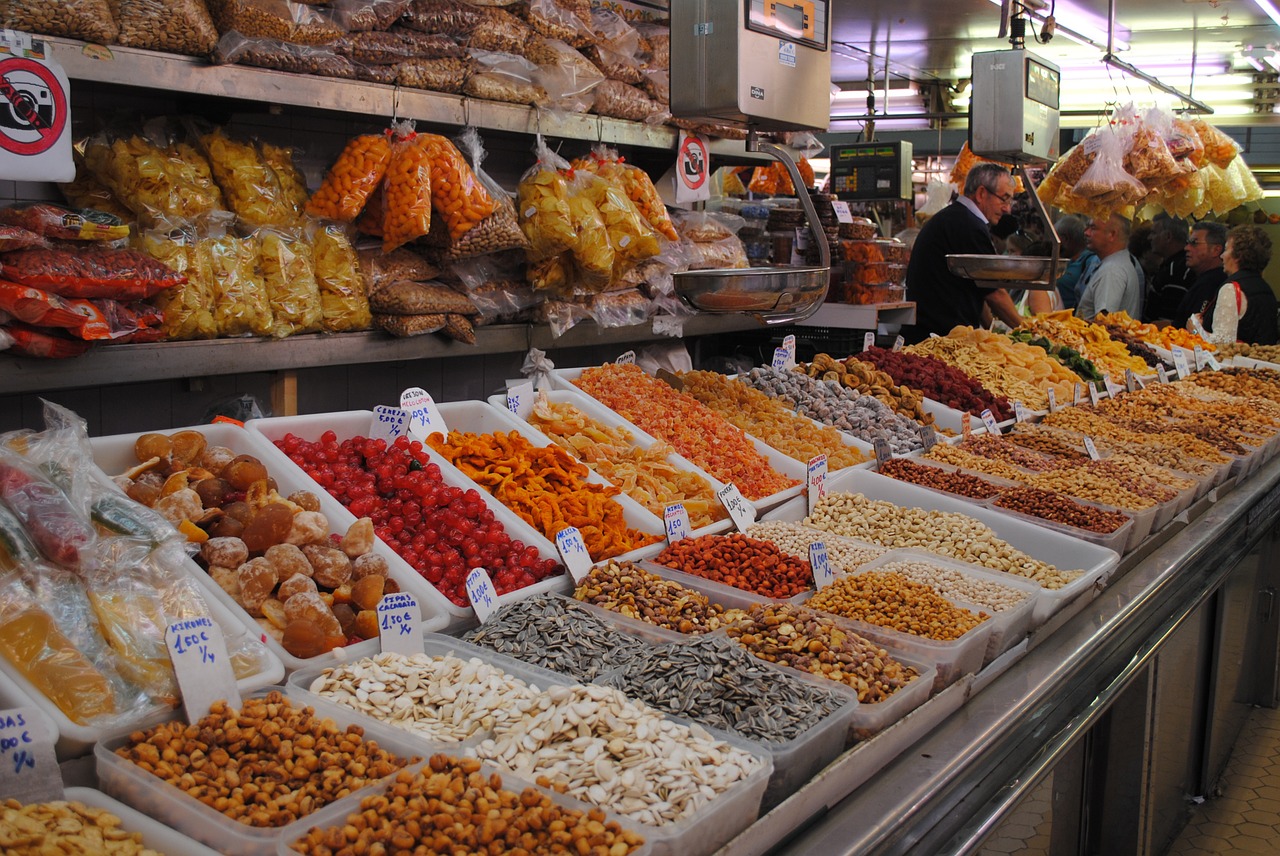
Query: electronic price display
(870,171)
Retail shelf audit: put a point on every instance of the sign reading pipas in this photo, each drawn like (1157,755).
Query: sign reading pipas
(35,112)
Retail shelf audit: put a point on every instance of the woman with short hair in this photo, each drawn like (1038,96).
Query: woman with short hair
(1244,309)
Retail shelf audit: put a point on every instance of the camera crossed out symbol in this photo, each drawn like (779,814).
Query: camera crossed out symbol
(33,106)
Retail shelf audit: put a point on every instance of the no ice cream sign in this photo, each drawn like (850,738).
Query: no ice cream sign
(35,112)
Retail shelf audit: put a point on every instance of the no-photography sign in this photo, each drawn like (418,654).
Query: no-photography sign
(35,112)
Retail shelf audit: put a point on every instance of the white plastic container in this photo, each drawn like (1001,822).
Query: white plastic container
(949,468)
(353,423)
(478,417)
(953,420)
(604,416)
(1121,540)
(784,465)
(13,694)
(1064,552)
(114,454)
(129,783)
(155,835)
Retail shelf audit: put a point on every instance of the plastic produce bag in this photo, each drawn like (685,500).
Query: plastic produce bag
(378,268)
(54,221)
(1148,158)
(555,20)
(15,238)
(388,48)
(285,263)
(449,17)
(352,178)
(171,26)
(86,191)
(407,192)
(635,182)
(630,235)
(1219,149)
(497,232)
(458,196)
(318,59)
(499,30)
(554,274)
(241,306)
(28,341)
(250,187)
(361,15)
(293,187)
(278,20)
(1106,181)
(187,307)
(1184,142)
(617,48)
(157,179)
(90,20)
(622,101)
(505,77)
(542,203)
(409,325)
(343,300)
(35,306)
(565,74)
(90,272)
(625,308)
(594,257)
(446,74)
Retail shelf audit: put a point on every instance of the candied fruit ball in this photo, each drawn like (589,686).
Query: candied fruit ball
(367,565)
(215,458)
(228,579)
(309,527)
(367,624)
(305,499)
(304,639)
(179,506)
(368,591)
(273,611)
(243,471)
(270,526)
(225,526)
(213,492)
(143,492)
(257,581)
(346,619)
(295,584)
(227,552)
(309,606)
(359,538)
(152,445)
(288,559)
(239,509)
(188,445)
(181,480)
(331,565)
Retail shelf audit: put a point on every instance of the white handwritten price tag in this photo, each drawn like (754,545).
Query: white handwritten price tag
(677,520)
(898,343)
(424,416)
(928,437)
(481,593)
(626,358)
(388,423)
(1020,413)
(868,341)
(400,624)
(1053,401)
(843,214)
(817,479)
(1161,374)
(1211,362)
(1180,361)
(1113,388)
(739,509)
(884,452)
(573,552)
(989,420)
(780,357)
(966,424)
(1130,380)
(201,665)
(1198,354)
(1094,395)
(1079,395)
(823,574)
(789,345)
(520,398)
(1091,449)
(28,763)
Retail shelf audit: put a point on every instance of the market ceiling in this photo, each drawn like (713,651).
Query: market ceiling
(1223,52)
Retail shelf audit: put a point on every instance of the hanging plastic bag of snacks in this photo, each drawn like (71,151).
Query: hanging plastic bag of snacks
(1219,149)
(293,187)
(497,232)
(635,182)
(285,263)
(630,235)
(187,308)
(456,193)
(230,263)
(250,187)
(542,204)
(352,178)
(156,178)
(593,255)
(407,192)
(343,301)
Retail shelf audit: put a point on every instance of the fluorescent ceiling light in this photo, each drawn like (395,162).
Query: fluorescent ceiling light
(1253,62)
(1269,7)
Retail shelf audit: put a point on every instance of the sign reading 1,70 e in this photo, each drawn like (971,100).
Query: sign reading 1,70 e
(35,112)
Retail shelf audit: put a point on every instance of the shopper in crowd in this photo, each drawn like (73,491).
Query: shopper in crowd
(1080,259)
(1204,257)
(1172,278)
(1002,230)
(944,299)
(1034,301)
(1244,309)
(1114,285)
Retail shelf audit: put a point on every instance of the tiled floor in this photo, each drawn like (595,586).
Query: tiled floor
(1246,818)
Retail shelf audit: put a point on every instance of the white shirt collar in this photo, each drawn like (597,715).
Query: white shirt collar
(972,206)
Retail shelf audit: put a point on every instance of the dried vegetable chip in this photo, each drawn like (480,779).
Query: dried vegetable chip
(343,301)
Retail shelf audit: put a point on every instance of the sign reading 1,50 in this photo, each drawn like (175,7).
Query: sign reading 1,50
(396,619)
(184,642)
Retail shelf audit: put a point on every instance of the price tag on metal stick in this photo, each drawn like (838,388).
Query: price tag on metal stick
(898,343)
(823,574)
(1211,362)
(573,552)
(884,452)
(28,762)
(676,518)
(1020,413)
(928,437)
(1113,388)
(868,341)
(400,624)
(1180,362)
(1091,449)
(1053,401)
(201,665)
(520,398)
(1130,380)
(388,423)
(739,509)
(989,420)
(789,345)
(780,357)
(481,593)
(1094,395)
(1079,395)
(1198,353)
(626,358)
(424,416)
(817,479)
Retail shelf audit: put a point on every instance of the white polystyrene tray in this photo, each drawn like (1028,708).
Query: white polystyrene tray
(953,420)
(114,455)
(603,415)
(155,835)
(479,418)
(1121,540)
(1251,363)
(351,423)
(951,468)
(787,466)
(1061,551)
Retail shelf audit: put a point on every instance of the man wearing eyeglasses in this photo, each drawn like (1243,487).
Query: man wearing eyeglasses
(1113,286)
(943,299)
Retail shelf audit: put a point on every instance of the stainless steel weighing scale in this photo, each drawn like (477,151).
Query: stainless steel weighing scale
(764,65)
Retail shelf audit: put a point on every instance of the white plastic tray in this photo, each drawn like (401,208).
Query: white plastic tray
(1061,551)
(783,464)
(114,455)
(603,415)
(953,419)
(352,423)
(155,835)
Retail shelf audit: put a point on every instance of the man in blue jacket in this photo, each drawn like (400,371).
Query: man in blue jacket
(943,299)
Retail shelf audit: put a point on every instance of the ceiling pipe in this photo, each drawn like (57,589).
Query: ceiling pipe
(1110,59)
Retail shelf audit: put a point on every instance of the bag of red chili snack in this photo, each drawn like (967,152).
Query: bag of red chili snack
(91,272)
(31,341)
(17,238)
(55,221)
(147,321)
(35,306)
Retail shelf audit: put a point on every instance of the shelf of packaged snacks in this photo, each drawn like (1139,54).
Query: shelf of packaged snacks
(194,75)
(861,316)
(115,364)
